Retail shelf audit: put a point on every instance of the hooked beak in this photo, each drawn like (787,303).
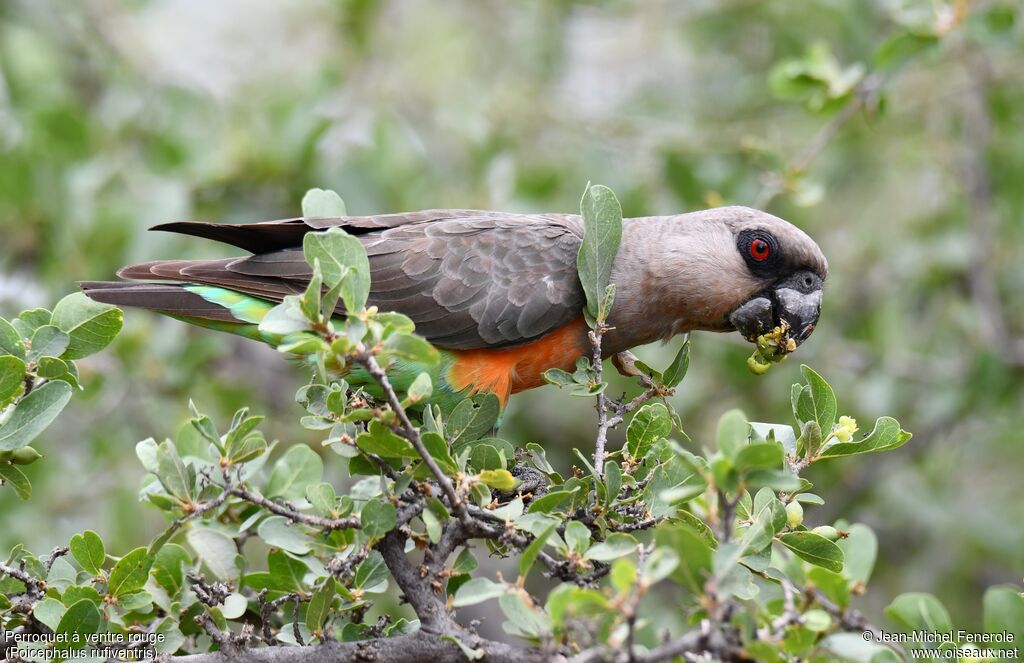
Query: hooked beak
(795,301)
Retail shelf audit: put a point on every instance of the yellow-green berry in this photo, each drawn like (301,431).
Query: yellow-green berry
(794,514)
(25,456)
(827,531)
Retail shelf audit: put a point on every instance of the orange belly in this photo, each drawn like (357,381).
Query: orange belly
(511,370)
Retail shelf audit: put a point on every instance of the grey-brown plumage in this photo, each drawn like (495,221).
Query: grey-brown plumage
(475,279)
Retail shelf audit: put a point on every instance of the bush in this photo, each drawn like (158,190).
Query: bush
(432,491)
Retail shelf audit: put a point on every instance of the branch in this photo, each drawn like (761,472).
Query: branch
(352,522)
(602,401)
(419,647)
(704,641)
(429,607)
(34,587)
(412,434)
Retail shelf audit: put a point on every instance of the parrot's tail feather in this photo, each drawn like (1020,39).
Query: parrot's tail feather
(253,237)
(172,299)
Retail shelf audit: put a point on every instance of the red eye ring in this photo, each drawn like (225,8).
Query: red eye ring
(760,249)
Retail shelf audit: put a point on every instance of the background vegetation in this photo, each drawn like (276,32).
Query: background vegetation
(118,115)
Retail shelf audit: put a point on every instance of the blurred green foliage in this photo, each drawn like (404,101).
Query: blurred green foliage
(115,116)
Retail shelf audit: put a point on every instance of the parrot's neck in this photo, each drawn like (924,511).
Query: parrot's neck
(673,276)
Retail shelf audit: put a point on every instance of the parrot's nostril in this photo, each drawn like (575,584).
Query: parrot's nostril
(808,281)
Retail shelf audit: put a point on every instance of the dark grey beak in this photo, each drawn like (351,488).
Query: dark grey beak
(795,300)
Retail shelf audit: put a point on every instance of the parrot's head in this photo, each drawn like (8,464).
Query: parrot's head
(779,275)
(724,269)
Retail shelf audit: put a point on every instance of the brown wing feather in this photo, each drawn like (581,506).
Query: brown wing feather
(467,278)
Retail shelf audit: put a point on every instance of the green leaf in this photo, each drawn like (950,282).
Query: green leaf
(532,551)
(762,455)
(130,573)
(815,549)
(612,481)
(33,414)
(1004,613)
(733,432)
(860,549)
(552,501)
(320,606)
(275,531)
(322,203)
(53,368)
(381,440)
(167,568)
(467,651)
(234,606)
(886,436)
(623,575)
(29,321)
(48,341)
(900,47)
(61,575)
(294,472)
(16,479)
(11,342)
(420,389)
(284,319)
(372,575)
(410,348)
(478,590)
(286,572)
(87,549)
(76,593)
(602,232)
(485,457)
(817,401)
(49,611)
(217,550)
(91,325)
(323,498)
(176,477)
(649,424)
(342,260)
(676,371)
(661,564)
(79,622)
(172,639)
(438,449)
(914,611)
(524,619)
(852,647)
(378,518)
(577,536)
(12,378)
(616,545)
(499,480)
(833,585)
(136,601)
(472,418)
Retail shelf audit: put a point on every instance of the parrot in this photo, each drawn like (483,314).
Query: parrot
(498,294)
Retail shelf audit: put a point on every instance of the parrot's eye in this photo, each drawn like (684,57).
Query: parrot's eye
(760,249)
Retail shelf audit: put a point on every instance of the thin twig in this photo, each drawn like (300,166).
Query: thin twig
(602,401)
(411,433)
(35,587)
(320,522)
